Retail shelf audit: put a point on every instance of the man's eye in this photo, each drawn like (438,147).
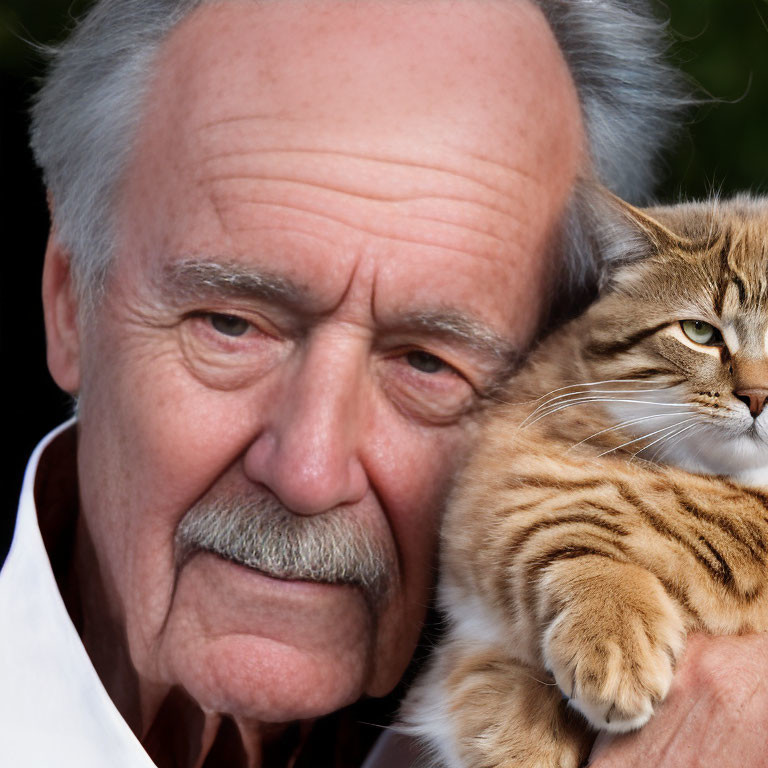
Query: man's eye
(425,362)
(229,325)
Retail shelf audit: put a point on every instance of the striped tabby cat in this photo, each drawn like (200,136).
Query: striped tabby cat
(617,500)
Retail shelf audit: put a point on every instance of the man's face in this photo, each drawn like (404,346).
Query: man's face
(333,229)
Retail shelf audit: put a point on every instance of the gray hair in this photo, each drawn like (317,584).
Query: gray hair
(85,118)
(631,101)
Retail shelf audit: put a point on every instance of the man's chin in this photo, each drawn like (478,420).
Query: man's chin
(253,646)
(258,679)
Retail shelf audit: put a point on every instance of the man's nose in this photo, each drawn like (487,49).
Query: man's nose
(307,451)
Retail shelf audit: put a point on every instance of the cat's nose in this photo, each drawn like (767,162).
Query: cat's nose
(754,398)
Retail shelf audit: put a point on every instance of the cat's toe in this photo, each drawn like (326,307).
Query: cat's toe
(607,716)
(615,678)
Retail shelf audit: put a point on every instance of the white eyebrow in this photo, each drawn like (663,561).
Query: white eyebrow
(464,329)
(192,278)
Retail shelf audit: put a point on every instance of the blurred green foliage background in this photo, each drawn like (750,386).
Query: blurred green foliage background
(723,47)
(721,44)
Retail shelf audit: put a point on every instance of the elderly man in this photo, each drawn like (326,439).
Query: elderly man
(294,244)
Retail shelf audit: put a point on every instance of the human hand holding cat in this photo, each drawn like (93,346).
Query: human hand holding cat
(715,714)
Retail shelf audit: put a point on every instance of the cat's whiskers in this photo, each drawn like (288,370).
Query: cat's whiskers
(553,400)
(503,401)
(574,398)
(596,384)
(580,401)
(661,440)
(628,423)
(549,400)
(550,683)
(673,440)
(646,436)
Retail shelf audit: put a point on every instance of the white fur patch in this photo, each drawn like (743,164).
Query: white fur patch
(731,339)
(474,621)
(428,718)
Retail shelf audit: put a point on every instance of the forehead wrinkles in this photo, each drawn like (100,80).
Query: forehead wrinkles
(356,89)
(458,202)
(245,144)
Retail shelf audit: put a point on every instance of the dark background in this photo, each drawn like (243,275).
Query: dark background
(721,44)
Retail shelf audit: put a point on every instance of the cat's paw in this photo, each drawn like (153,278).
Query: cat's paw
(615,661)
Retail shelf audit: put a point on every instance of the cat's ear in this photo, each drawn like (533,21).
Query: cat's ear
(626,233)
(601,234)
(650,221)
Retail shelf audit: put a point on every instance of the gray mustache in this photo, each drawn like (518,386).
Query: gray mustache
(333,547)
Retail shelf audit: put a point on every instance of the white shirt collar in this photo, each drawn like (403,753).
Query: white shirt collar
(54,711)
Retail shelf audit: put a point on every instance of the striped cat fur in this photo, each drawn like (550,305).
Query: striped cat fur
(616,501)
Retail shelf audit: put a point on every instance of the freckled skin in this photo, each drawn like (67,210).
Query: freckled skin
(383,159)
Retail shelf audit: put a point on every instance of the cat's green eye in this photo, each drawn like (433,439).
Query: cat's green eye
(701,332)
